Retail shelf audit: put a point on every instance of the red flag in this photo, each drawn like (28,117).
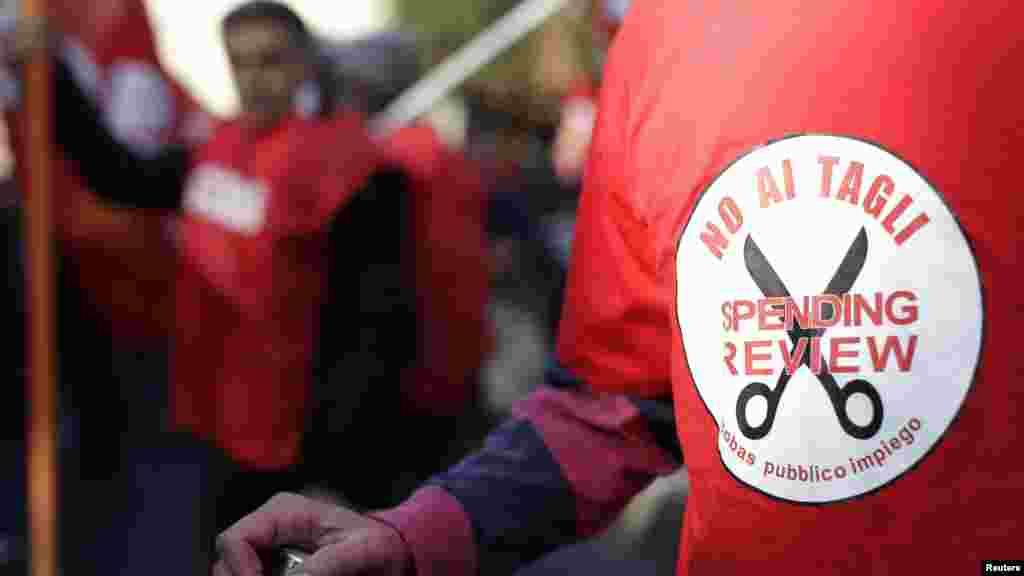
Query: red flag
(123,258)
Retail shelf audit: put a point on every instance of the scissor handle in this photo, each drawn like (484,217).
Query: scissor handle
(841,396)
(772,397)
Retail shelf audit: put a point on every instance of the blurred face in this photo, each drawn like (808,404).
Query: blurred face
(268,67)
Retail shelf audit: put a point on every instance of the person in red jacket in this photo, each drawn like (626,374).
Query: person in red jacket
(291,253)
(128,258)
(114,268)
(121,260)
(115,265)
(798,224)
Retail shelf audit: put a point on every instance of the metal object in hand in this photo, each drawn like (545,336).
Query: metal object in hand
(292,562)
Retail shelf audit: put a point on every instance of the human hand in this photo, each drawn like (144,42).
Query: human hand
(341,542)
(572,143)
(23,37)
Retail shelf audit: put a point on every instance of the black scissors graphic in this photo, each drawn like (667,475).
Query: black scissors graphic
(772,286)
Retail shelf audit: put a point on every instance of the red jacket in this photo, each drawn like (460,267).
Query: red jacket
(452,271)
(773,135)
(799,222)
(250,285)
(269,220)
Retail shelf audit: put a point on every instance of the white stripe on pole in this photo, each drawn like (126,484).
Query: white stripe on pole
(456,68)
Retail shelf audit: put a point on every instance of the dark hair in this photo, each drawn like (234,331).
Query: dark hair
(279,13)
(273,11)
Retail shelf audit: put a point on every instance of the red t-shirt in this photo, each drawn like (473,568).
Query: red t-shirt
(800,220)
(452,272)
(253,268)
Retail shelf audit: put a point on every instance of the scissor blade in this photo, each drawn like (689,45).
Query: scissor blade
(850,267)
(762,272)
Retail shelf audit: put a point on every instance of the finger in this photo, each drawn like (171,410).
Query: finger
(285,520)
(238,558)
(357,553)
(221,569)
(348,556)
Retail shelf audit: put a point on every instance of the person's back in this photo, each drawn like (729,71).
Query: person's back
(769,153)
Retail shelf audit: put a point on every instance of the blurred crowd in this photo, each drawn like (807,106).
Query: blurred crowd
(348,339)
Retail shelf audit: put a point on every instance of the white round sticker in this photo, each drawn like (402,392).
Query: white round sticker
(831,312)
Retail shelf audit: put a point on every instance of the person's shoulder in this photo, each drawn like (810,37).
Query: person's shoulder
(417,148)
(341,132)
(340,145)
(340,121)
(640,78)
(653,23)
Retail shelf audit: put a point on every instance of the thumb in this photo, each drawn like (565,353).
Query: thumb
(364,552)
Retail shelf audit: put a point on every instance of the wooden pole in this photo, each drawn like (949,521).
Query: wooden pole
(463,63)
(42,393)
